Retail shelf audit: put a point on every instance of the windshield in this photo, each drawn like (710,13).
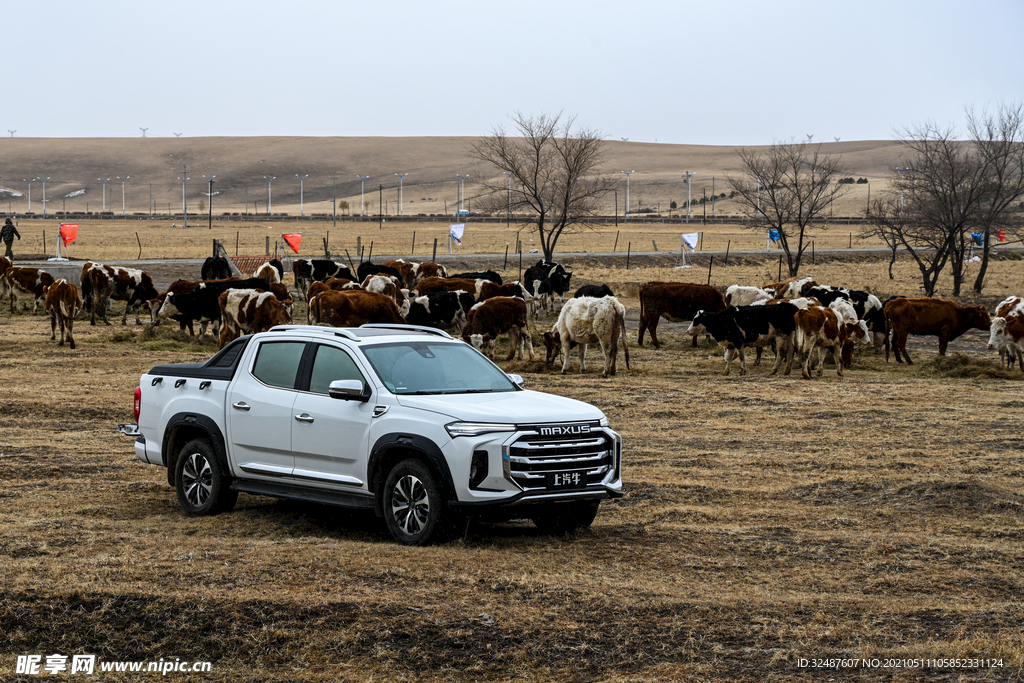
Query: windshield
(427,367)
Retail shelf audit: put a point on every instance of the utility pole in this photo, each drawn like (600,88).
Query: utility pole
(184,195)
(209,196)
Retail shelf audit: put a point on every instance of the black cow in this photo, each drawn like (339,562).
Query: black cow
(201,304)
(595,291)
(322,270)
(216,268)
(368,268)
(546,278)
(440,309)
(738,327)
(485,275)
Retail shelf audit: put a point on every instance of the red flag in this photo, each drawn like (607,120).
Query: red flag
(68,233)
(293,240)
(1001,234)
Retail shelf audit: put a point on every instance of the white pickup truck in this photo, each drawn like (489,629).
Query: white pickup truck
(406,421)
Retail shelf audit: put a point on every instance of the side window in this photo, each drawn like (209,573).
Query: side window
(331,364)
(277,363)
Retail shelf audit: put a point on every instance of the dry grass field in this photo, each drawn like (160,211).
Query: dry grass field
(766,520)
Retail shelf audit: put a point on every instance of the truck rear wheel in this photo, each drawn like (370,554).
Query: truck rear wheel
(565,518)
(414,510)
(201,485)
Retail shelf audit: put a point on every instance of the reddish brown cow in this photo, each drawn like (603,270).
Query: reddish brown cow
(431,269)
(101,283)
(248,311)
(62,303)
(488,290)
(940,318)
(819,328)
(21,281)
(352,308)
(675,301)
(487,319)
(334,284)
(429,285)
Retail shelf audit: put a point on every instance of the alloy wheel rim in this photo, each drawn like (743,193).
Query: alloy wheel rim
(410,504)
(197,479)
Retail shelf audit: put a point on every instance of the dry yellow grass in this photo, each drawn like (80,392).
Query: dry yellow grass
(766,519)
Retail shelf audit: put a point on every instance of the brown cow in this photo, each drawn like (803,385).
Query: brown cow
(940,318)
(1007,335)
(487,290)
(675,301)
(819,328)
(21,281)
(352,308)
(487,319)
(101,283)
(5,263)
(429,285)
(249,311)
(62,303)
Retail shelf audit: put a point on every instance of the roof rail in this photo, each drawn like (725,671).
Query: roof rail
(336,331)
(413,328)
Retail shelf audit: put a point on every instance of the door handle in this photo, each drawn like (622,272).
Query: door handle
(241,405)
(304,418)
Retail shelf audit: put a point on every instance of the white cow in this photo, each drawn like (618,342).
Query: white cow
(589,320)
(738,295)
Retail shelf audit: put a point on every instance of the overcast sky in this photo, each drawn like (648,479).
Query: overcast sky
(718,72)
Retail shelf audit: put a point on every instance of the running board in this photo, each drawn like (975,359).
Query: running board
(279,490)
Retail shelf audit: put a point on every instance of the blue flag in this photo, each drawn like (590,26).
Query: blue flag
(978,238)
(774,235)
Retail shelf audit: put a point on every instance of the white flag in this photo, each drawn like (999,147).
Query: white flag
(456,230)
(691,240)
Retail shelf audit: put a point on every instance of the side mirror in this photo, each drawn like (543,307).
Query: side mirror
(517,379)
(347,390)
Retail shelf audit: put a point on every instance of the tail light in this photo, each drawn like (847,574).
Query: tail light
(138,402)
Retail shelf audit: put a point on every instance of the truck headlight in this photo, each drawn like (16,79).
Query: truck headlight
(477,428)
(605,422)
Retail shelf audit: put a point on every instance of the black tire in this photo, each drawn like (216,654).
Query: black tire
(201,485)
(565,518)
(414,509)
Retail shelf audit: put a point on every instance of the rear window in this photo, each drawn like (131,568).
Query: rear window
(277,363)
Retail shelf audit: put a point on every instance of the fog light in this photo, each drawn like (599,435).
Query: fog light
(477,469)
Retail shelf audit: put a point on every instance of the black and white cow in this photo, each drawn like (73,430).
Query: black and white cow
(867,306)
(594,291)
(202,303)
(440,309)
(738,327)
(368,268)
(545,279)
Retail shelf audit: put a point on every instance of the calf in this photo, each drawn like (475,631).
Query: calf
(22,281)
(203,302)
(940,318)
(248,311)
(440,309)
(593,291)
(819,328)
(755,325)
(1011,305)
(675,301)
(487,319)
(544,279)
(62,303)
(588,320)
(1007,335)
(101,283)
(352,308)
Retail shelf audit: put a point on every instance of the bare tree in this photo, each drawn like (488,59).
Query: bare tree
(552,172)
(999,144)
(900,226)
(886,224)
(788,184)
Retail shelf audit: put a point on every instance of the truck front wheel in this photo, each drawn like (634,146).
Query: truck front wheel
(201,485)
(414,510)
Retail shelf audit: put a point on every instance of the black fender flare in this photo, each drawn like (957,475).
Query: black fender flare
(194,422)
(414,442)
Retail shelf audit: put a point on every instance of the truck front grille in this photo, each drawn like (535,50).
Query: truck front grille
(532,458)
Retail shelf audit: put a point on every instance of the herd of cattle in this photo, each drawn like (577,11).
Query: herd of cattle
(798,318)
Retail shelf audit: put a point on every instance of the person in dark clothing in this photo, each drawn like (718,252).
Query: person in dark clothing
(7,234)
